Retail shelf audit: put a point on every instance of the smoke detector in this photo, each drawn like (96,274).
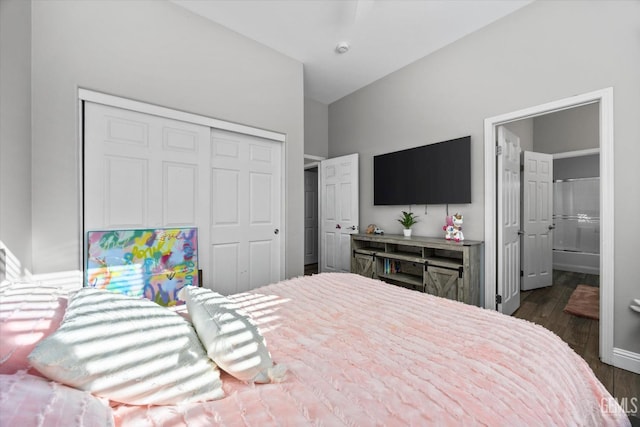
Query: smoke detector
(342,47)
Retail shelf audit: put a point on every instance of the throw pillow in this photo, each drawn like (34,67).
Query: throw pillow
(29,312)
(129,350)
(231,338)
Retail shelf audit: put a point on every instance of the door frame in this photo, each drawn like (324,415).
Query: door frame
(314,161)
(605,99)
(87,95)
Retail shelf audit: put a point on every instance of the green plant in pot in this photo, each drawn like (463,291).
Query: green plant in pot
(408,219)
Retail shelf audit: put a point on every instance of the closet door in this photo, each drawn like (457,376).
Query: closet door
(246,233)
(145,171)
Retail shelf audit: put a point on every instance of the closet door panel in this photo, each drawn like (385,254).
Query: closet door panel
(145,171)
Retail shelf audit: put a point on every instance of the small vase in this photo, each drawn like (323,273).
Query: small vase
(407,232)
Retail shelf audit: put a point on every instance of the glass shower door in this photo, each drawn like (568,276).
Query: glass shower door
(577,215)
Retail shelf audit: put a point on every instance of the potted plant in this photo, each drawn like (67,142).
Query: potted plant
(407,220)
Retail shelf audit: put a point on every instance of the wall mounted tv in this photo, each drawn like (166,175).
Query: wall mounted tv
(433,174)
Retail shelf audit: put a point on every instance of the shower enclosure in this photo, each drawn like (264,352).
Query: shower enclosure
(576,214)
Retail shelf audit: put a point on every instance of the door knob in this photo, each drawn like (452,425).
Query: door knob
(338,226)
(551,227)
(520,232)
(353,227)
(276,231)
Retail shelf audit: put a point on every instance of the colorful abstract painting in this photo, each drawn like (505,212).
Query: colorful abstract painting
(150,263)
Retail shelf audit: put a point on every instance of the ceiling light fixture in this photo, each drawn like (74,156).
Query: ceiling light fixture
(342,47)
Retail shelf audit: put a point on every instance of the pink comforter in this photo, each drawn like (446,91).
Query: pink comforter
(361,352)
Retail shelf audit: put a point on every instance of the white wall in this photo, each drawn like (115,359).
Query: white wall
(568,130)
(316,128)
(577,167)
(524,129)
(156,52)
(15,137)
(543,52)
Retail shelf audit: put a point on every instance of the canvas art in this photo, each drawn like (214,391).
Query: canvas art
(150,263)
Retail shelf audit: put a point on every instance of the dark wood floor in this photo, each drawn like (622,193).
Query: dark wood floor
(545,307)
(310,269)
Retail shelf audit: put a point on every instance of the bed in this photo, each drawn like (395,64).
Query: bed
(357,351)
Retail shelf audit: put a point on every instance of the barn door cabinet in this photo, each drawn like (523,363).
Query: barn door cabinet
(433,265)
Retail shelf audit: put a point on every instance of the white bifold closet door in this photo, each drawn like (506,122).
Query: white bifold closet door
(146,171)
(245,216)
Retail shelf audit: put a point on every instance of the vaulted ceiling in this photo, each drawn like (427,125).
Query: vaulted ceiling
(382,35)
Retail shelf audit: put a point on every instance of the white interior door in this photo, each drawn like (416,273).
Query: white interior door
(145,171)
(311,216)
(537,214)
(246,232)
(508,239)
(339,213)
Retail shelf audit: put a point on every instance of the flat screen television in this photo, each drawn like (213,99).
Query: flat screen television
(432,174)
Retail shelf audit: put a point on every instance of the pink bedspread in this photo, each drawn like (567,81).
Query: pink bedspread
(361,352)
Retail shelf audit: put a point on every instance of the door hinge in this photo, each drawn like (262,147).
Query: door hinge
(521,273)
(498,299)
(498,150)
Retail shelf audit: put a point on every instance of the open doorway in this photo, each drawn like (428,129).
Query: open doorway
(565,201)
(337,211)
(494,265)
(311,210)
(311,221)
(560,224)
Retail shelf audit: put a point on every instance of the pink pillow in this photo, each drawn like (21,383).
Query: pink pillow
(29,312)
(30,401)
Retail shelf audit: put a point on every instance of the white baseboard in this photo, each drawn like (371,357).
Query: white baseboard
(627,360)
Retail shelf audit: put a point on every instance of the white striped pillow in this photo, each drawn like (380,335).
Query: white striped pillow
(129,350)
(233,341)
